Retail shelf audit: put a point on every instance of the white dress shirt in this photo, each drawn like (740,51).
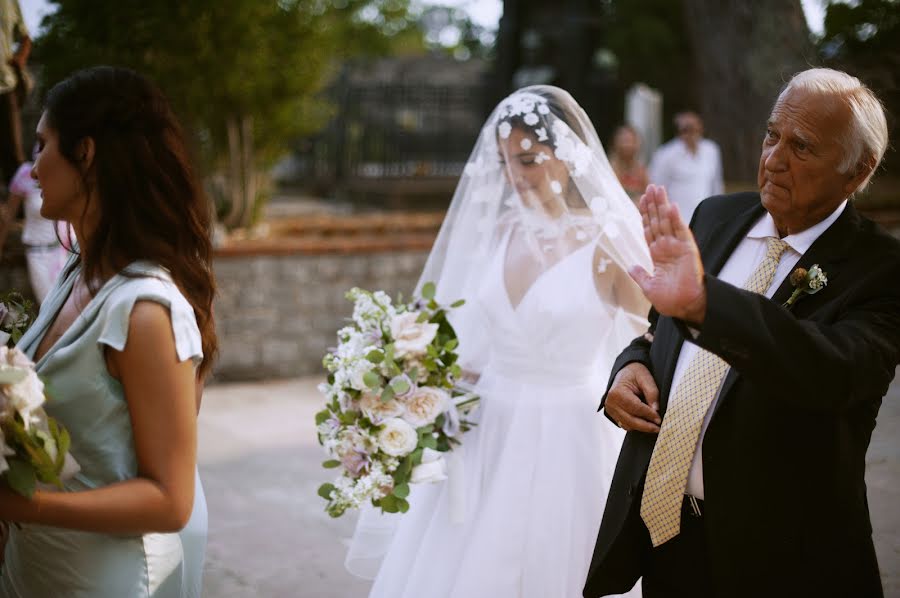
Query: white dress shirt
(743,261)
(688,177)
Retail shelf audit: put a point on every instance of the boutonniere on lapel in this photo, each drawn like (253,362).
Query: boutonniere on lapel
(806,282)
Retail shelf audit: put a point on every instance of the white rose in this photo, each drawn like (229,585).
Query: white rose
(26,396)
(377,410)
(432,469)
(397,438)
(425,404)
(411,337)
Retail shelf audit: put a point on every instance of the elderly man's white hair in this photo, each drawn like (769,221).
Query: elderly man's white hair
(867,137)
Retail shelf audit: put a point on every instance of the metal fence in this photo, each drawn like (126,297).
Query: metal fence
(397,141)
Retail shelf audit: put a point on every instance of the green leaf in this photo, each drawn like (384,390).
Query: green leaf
(416,457)
(21,477)
(401,474)
(451,344)
(428,290)
(325,490)
(423,317)
(458,303)
(371,379)
(429,442)
(387,394)
(400,386)
(425,430)
(455,370)
(322,416)
(375,356)
(403,504)
(389,352)
(390,504)
(331,464)
(401,491)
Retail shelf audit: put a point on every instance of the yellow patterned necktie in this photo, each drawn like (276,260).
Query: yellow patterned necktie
(680,430)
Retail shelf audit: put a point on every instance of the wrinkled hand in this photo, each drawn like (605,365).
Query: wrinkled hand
(624,404)
(676,286)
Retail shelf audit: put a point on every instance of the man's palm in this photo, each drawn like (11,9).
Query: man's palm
(676,286)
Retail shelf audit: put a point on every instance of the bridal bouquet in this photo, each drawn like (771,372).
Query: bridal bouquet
(15,317)
(392,404)
(33,447)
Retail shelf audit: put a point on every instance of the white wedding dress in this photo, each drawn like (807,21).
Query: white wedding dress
(537,468)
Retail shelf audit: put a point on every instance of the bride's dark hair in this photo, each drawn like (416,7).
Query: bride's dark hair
(151,205)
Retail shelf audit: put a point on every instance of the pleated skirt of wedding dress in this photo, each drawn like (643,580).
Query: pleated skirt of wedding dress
(535,475)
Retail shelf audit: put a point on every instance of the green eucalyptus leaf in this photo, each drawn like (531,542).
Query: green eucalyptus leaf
(458,303)
(371,379)
(428,290)
(21,477)
(400,386)
(390,504)
(401,491)
(325,490)
(375,356)
(387,394)
(331,464)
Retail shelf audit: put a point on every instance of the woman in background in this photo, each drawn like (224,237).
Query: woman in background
(626,161)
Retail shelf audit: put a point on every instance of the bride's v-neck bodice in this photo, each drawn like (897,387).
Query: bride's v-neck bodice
(558,328)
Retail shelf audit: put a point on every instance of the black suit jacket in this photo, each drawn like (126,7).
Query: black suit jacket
(784,454)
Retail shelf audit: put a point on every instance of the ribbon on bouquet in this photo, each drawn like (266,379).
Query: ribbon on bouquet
(456,486)
(438,466)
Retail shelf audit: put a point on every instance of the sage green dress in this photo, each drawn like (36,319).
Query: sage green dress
(55,562)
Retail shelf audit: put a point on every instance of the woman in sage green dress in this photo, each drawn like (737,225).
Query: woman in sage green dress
(124,340)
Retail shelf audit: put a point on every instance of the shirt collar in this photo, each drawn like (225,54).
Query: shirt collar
(799,242)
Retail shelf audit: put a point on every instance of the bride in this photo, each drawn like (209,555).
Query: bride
(538,239)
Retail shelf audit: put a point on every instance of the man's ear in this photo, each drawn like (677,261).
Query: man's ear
(858,174)
(85,153)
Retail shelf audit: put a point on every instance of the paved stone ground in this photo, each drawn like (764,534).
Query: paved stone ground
(270,538)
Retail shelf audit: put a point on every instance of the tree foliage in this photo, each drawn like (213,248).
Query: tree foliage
(864,40)
(242,74)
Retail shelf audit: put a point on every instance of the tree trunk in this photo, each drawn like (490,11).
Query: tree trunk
(241,172)
(745,52)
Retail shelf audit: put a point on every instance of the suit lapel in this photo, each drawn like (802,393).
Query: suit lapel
(829,250)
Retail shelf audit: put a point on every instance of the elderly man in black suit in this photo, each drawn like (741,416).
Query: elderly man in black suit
(750,402)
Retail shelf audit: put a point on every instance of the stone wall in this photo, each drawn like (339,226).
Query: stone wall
(277,314)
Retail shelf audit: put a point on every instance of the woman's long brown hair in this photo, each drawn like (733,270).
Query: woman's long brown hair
(152,207)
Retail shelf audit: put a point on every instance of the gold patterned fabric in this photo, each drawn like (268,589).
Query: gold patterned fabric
(680,430)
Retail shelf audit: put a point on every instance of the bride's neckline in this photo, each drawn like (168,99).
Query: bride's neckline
(504,255)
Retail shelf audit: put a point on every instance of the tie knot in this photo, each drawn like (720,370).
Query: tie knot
(774,248)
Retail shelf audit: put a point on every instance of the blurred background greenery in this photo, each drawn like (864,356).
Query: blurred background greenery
(377,102)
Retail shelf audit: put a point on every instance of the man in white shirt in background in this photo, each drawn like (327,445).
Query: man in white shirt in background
(688,166)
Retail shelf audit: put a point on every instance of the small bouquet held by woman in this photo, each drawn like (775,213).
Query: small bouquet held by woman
(34,449)
(16,315)
(393,406)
